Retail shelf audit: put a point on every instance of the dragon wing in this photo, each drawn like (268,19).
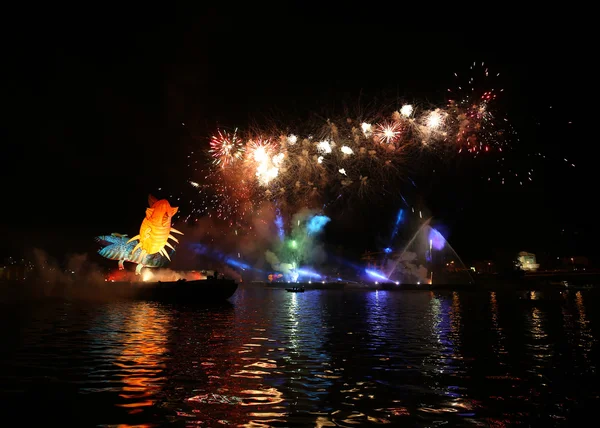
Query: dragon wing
(111,239)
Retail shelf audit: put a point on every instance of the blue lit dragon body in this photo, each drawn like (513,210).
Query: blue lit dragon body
(116,247)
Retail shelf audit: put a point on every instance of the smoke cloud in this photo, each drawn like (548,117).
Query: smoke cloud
(271,242)
(209,244)
(301,246)
(407,267)
(76,277)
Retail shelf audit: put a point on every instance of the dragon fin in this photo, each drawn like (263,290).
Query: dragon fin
(164,253)
(173,238)
(176,231)
(169,245)
(135,238)
(139,245)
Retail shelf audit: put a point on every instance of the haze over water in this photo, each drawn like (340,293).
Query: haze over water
(320,358)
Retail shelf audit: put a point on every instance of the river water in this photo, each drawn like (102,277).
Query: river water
(321,358)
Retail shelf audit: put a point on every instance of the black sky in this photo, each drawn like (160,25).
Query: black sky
(97,106)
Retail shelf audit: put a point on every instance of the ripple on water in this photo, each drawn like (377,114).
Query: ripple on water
(321,358)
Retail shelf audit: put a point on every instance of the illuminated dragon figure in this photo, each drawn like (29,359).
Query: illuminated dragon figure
(115,247)
(155,231)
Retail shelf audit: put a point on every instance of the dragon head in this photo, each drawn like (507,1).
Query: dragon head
(160,211)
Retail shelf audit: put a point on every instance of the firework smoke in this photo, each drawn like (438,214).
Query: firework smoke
(301,247)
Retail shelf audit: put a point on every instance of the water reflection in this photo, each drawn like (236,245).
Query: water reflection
(320,358)
(142,359)
(129,341)
(206,381)
(379,316)
(293,320)
(446,362)
(362,353)
(304,360)
(539,346)
(446,332)
(498,347)
(234,368)
(586,340)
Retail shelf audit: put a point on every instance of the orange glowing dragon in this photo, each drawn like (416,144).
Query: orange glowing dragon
(155,230)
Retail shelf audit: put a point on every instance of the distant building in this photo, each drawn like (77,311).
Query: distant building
(527,261)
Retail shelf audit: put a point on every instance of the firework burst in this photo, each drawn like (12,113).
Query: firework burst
(388,132)
(264,160)
(346,159)
(226,148)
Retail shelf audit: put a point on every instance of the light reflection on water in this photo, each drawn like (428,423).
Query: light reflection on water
(586,339)
(319,358)
(142,358)
(496,329)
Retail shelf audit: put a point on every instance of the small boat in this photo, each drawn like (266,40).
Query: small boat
(196,291)
(295,290)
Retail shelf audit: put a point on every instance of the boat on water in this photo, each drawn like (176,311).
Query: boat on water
(183,286)
(295,290)
(196,291)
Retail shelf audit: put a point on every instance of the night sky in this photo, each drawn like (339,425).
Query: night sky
(96,113)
